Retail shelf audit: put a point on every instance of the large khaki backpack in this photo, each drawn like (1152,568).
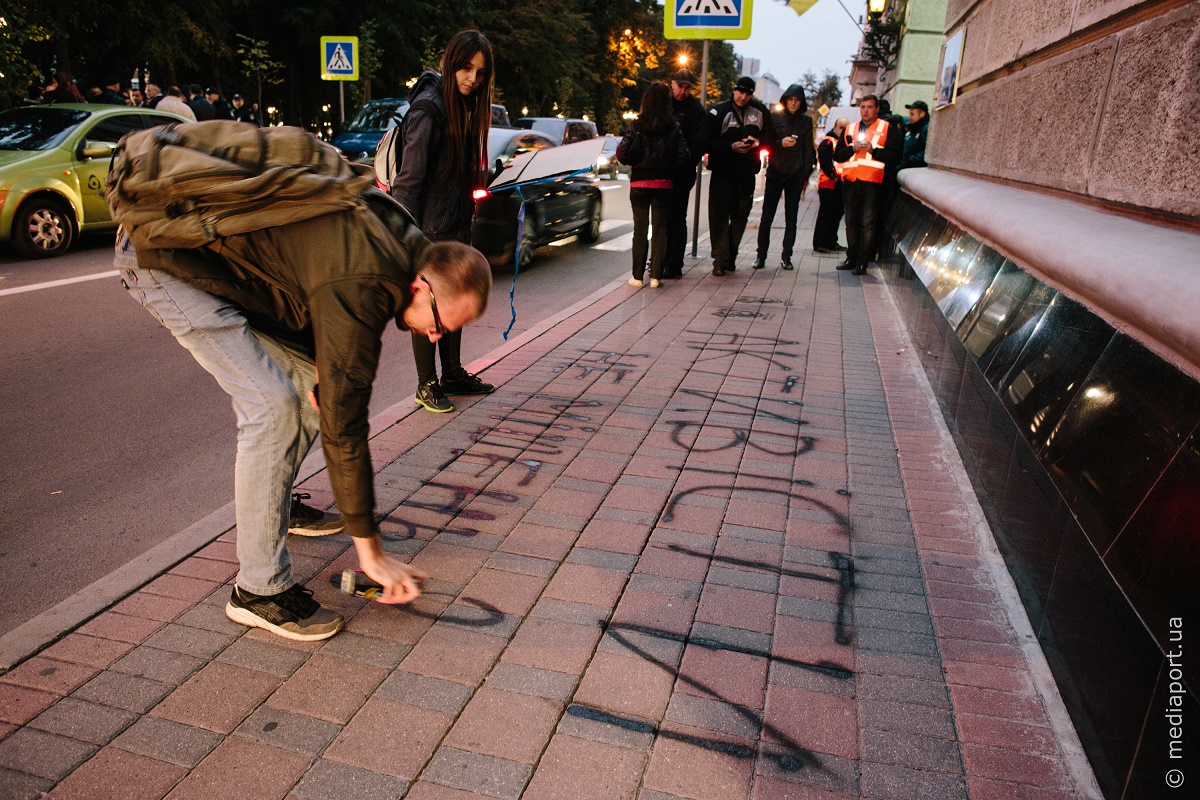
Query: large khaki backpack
(188,184)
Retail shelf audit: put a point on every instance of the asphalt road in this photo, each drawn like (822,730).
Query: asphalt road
(112,439)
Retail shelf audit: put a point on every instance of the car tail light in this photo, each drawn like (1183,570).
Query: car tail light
(480,194)
(762,153)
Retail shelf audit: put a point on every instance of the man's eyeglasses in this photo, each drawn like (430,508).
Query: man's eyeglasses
(437,321)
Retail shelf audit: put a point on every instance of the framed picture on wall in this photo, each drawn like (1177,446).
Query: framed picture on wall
(948,74)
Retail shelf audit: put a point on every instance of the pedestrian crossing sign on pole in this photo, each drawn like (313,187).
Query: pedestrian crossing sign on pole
(339,58)
(707,19)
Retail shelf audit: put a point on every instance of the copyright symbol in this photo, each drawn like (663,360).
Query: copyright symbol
(1174,779)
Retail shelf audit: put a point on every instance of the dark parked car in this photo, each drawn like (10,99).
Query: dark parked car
(553,209)
(500,116)
(362,134)
(561,131)
(606,163)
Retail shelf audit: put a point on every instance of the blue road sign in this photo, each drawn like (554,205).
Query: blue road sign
(339,58)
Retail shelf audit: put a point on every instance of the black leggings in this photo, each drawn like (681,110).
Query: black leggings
(450,347)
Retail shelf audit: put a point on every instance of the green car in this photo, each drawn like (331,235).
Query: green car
(53,162)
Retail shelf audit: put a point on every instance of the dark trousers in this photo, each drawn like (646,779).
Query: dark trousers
(829,217)
(677,223)
(729,200)
(647,202)
(861,199)
(450,347)
(791,187)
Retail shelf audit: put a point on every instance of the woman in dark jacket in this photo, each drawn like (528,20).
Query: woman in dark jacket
(654,148)
(444,149)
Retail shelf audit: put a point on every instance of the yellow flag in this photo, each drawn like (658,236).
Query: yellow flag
(800,6)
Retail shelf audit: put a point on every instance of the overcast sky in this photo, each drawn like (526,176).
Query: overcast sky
(788,45)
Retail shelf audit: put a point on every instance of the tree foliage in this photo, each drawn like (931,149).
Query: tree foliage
(823,90)
(575,57)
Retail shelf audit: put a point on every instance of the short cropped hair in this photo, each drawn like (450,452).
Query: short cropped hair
(873,98)
(462,269)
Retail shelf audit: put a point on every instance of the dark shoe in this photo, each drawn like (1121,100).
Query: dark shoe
(731,268)
(859,271)
(841,248)
(759,263)
(465,383)
(844,265)
(822,250)
(292,614)
(309,521)
(431,397)
(786,264)
(718,271)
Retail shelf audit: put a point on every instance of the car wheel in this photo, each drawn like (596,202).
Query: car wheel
(591,231)
(42,229)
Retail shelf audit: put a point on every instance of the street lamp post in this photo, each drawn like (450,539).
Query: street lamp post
(700,164)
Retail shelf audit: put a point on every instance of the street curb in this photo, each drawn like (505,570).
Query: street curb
(46,628)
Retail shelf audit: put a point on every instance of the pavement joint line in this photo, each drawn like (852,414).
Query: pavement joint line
(1057,715)
(46,628)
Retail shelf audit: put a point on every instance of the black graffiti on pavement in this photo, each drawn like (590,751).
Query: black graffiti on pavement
(608,361)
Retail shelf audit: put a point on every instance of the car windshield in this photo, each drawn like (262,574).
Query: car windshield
(38,128)
(503,144)
(376,117)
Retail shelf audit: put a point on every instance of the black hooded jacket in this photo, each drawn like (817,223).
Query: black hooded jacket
(689,113)
(728,124)
(801,158)
(427,185)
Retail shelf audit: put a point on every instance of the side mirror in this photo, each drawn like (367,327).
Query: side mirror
(90,149)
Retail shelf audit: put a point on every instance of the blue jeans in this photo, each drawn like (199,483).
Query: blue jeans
(269,386)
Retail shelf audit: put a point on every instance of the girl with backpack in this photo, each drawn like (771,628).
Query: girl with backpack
(654,149)
(443,145)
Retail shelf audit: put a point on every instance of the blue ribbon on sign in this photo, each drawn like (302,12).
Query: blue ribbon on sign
(512,290)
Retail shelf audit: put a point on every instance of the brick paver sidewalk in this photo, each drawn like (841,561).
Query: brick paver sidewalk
(676,554)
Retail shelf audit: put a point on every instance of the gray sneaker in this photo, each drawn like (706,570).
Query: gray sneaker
(292,614)
(309,521)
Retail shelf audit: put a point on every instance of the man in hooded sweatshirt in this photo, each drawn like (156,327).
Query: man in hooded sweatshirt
(793,157)
(736,129)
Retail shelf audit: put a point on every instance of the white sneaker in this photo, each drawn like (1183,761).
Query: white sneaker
(635,282)
(655,283)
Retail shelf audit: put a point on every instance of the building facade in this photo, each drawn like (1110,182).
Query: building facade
(1046,265)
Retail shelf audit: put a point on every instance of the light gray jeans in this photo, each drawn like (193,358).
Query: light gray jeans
(269,386)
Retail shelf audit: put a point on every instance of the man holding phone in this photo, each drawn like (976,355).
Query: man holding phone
(792,162)
(867,148)
(737,129)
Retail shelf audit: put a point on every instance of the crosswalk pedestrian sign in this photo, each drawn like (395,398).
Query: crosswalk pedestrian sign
(339,58)
(707,19)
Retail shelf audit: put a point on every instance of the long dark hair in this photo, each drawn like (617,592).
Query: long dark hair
(467,118)
(655,118)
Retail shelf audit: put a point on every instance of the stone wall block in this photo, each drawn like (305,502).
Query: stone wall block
(1148,152)
(1089,12)
(1057,110)
(955,10)
(1019,27)
(975,59)
(927,15)
(942,148)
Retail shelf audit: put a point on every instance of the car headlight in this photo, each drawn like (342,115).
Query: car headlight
(602,161)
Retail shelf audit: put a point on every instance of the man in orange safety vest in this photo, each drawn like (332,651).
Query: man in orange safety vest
(829,191)
(868,147)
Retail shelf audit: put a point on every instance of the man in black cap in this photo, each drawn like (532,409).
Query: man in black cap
(915,135)
(198,103)
(736,130)
(221,109)
(243,112)
(689,113)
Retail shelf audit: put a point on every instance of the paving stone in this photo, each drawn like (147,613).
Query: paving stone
(598,725)
(564,611)
(912,750)
(328,688)
(211,618)
(585,770)
(218,697)
(195,642)
(278,728)
(494,777)
(367,649)
(505,724)
(129,692)
(42,754)
(172,742)
(550,644)
(743,579)
(159,665)
(668,587)
(715,715)
(116,773)
(900,783)
(329,780)
(79,719)
(485,620)
(603,559)
(526,680)
(700,764)
(454,653)
(16,785)
(423,691)
(242,768)
(18,705)
(49,675)
(525,565)
(708,635)
(262,656)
